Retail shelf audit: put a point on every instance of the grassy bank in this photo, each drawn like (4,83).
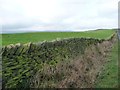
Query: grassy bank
(41,36)
(109,76)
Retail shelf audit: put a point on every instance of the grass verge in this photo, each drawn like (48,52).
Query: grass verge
(109,76)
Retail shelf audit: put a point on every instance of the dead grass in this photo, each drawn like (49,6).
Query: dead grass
(80,72)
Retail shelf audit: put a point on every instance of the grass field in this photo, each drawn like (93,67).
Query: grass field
(48,36)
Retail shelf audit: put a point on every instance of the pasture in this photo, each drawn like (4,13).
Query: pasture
(48,36)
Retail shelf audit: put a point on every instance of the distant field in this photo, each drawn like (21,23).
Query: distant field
(48,36)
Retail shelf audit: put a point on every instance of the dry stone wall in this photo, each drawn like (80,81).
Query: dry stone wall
(20,62)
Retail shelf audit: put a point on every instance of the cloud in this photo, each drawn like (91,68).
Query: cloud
(26,15)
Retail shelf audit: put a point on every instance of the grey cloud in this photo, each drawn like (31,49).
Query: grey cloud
(85,14)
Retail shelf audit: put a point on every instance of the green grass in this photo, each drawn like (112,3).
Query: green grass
(0,40)
(109,77)
(48,36)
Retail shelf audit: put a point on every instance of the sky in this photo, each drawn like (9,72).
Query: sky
(57,15)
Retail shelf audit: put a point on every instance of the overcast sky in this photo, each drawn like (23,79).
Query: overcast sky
(77,15)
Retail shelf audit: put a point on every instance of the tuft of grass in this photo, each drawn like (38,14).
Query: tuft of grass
(109,76)
(48,36)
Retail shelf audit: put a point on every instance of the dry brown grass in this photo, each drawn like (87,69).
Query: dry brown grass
(80,72)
